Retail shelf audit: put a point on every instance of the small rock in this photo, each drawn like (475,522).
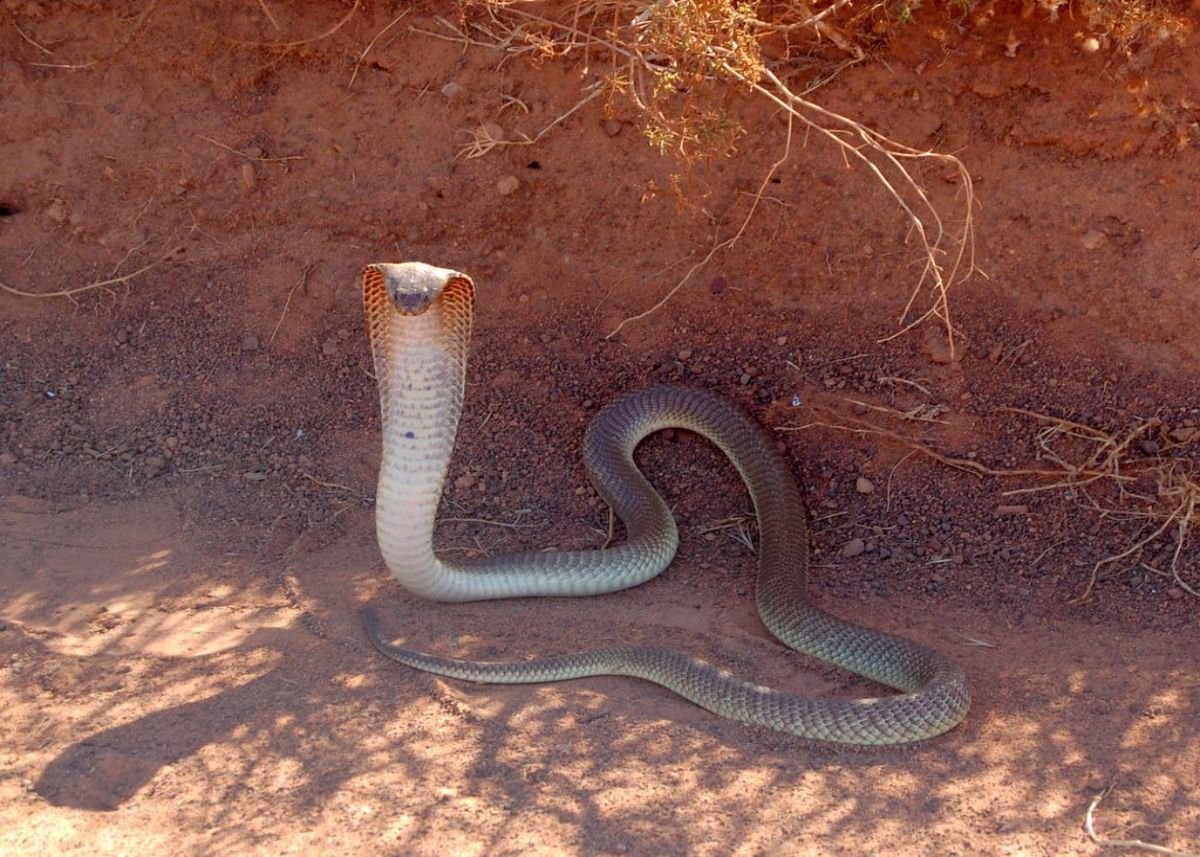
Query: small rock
(464,482)
(507,185)
(7,458)
(329,348)
(1174,593)
(859,409)
(3,626)
(254,476)
(1011,510)
(1093,239)
(684,355)
(863,485)
(1150,447)
(1185,434)
(1090,45)
(123,335)
(247,178)
(781,340)
(718,285)
(249,342)
(611,127)
(853,548)
(57,211)
(155,465)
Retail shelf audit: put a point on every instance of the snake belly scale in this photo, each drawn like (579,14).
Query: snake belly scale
(419,318)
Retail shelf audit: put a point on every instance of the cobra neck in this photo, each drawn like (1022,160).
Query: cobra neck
(421,382)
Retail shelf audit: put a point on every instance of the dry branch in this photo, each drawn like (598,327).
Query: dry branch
(660,51)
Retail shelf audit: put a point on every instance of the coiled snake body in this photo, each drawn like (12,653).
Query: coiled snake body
(419,319)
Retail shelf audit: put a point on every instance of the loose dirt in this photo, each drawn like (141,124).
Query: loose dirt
(187,456)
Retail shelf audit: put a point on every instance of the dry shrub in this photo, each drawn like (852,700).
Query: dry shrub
(685,63)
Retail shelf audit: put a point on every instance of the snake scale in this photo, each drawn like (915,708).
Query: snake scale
(419,318)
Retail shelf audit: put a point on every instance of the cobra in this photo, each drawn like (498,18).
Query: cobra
(419,318)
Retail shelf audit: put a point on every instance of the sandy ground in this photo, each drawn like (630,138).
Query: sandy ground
(187,457)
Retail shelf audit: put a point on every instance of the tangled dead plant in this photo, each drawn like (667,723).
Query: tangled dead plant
(1143,477)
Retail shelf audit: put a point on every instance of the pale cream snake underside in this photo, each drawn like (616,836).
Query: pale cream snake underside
(419,319)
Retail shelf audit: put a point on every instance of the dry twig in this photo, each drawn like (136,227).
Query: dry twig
(260,158)
(299,42)
(121,45)
(722,245)
(99,284)
(484,139)
(371,44)
(287,303)
(1090,829)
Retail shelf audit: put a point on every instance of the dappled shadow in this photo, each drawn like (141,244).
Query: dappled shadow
(290,724)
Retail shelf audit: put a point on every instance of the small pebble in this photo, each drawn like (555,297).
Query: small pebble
(123,335)
(507,185)
(249,342)
(718,285)
(452,90)
(853,548)
(1093,239)
(863,485)
(1174,593)
(611,127)
(1011,510)
(1150,447)
(684,355)
(57,211)
(155,465)
(464,482)
(859,409)
(247,178)
(1090,45)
